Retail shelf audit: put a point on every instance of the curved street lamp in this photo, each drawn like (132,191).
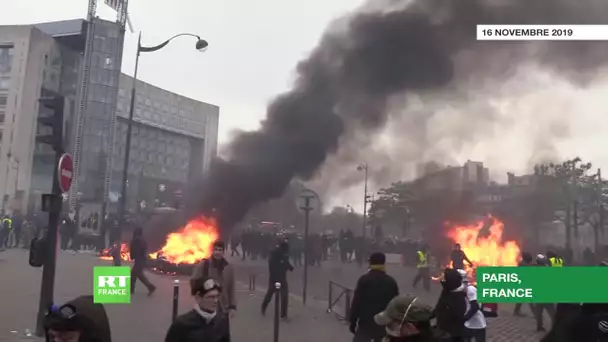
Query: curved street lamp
(201,45)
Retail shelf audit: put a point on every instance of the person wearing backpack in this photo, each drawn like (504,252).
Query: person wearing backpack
(218,269)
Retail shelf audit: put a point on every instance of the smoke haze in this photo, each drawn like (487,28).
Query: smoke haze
(402,82)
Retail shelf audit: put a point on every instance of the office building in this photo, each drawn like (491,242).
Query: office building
(76,57)
(174,139)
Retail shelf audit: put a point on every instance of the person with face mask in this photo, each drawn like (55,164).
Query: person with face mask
(205,322)
(79,320)
(218,268)
(406,319)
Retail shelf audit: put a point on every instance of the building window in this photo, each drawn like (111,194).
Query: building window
(1,117)
(3,100)
(5,83)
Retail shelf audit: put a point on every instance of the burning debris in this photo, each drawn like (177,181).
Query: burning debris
(343,91)
(483,244)
(182,249)
(190,244)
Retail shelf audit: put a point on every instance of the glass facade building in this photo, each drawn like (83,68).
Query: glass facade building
(170,143)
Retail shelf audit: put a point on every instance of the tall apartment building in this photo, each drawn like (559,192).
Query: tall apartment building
(52,56)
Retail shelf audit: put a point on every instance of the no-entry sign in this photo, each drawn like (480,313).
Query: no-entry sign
(65,170)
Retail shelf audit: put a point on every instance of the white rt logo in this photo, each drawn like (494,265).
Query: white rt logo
(110,281)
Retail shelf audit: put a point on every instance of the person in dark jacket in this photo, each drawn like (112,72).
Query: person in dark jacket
(139,255)
(526,260)
(278,266)
(406,319)
(374,291)
(79,320)
(204,323)
(451,306)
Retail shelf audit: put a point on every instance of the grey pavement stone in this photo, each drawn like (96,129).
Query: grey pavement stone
(504,328)
(146,318)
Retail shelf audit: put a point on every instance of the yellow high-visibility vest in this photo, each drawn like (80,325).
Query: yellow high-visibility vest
(8,222)
(422,260)
(556,262)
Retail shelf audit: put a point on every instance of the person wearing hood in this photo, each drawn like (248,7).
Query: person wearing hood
(205,322)
(79,320)
(374,291)
(451,306)
(218,268)
(406,319)
(278,266)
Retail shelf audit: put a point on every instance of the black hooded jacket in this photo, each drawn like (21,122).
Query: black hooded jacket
(90,319)
(451,306)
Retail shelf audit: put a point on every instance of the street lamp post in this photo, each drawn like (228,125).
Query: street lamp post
(363,167)
(201,45)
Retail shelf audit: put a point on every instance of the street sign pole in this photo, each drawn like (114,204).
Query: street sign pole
(308,196)
(62,179)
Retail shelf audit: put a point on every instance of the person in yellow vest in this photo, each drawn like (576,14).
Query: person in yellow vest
(7,231)
(555,260)
(422,264)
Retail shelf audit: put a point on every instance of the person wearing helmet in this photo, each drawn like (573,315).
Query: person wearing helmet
(79,320)
(475,322)
(407,319)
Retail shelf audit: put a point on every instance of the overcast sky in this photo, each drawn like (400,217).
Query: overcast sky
(254,45)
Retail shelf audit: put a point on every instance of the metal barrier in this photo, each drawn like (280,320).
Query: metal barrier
(252,278)
(336,293)
(175,299)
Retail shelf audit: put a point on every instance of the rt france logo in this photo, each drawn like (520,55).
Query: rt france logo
(112,285)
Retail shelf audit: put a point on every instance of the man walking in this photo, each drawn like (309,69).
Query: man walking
(218,269)
(422,264)
(139,255)
(278,266)
(374,291)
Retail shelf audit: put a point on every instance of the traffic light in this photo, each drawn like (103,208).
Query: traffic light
(50,122)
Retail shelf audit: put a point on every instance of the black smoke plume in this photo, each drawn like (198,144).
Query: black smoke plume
(386,48)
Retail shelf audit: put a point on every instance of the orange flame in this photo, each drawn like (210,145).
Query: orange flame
(191,244)
(483,245)
(125,255)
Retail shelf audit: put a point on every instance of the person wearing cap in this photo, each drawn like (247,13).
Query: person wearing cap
(218,268)
(79,320)
(407,319)
(374,291)
(205,322)
(451,306)
(475,322)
